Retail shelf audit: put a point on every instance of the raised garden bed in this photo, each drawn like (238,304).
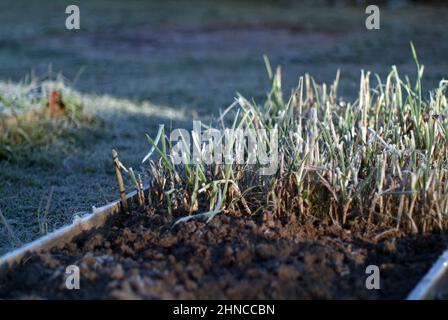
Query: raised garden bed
(141,256)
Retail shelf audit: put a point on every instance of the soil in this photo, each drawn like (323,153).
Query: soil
(142,256)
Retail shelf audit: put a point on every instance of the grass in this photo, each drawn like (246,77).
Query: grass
(69,156)
(12,238)
(42,217)
(26,118)
(381,158)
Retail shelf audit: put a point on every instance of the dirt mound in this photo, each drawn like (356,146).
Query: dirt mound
(140,256)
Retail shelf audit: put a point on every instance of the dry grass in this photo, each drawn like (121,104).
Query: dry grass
(29,117)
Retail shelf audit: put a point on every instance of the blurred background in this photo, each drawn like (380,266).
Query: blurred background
(184,59)
(197,54)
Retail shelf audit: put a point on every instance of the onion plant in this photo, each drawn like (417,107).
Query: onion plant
(381,158)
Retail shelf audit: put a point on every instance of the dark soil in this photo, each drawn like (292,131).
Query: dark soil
(229,258)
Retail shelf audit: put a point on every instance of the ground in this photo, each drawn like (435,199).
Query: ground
(185,60)
(140,256)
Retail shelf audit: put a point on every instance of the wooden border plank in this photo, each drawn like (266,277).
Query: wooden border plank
(65,234)
(434,282)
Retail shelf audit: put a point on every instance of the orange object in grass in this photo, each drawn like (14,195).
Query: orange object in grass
(55,104)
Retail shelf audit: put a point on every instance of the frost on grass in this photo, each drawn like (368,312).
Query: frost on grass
(21,98)
(37,113)
(381,159)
